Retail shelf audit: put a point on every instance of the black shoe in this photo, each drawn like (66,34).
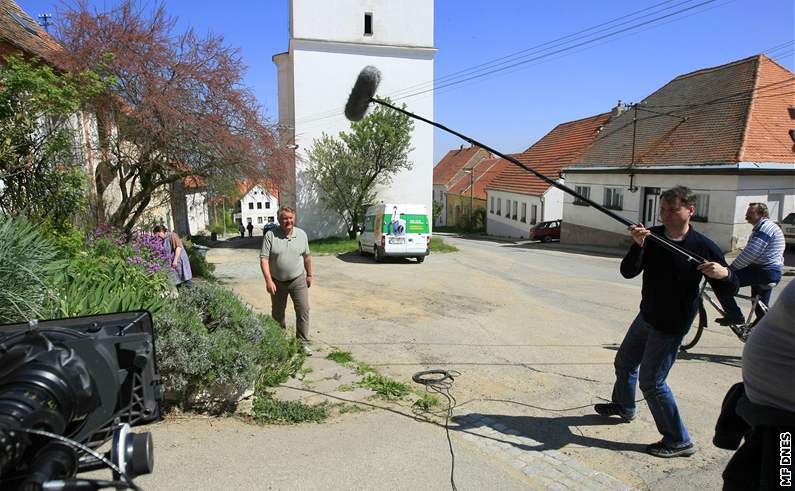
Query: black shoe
(660,449)
(613,409)
(730,321)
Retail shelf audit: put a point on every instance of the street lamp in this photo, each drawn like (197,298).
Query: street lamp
(471,173)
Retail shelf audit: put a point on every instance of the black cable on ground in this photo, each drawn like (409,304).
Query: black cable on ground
(441,381)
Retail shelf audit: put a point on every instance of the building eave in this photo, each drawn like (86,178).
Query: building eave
(777,168)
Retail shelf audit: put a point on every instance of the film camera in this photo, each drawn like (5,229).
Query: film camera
(68,387)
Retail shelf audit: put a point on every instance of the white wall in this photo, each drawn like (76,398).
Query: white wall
(398,23)
(729,197)
(258,216)
(503,226)
(198,214)
(323,73)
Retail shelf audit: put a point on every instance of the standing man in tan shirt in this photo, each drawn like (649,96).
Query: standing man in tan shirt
(287,267)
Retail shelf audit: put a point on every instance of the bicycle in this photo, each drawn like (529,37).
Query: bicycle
(742,331)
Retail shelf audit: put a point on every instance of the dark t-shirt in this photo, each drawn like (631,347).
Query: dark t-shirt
(670,282)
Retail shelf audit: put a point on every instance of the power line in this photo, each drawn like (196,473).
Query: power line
(511,58)
(561,50)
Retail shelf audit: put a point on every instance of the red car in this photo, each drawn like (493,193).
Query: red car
(546,231)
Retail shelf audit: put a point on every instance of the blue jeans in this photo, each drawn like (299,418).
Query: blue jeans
(753,276)
(654,352)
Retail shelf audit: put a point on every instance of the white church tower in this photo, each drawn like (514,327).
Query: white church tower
(330,43)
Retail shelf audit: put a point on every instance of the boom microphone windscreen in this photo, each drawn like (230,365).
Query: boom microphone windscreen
(363,90)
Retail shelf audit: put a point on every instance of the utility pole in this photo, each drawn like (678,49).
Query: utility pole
(44,21)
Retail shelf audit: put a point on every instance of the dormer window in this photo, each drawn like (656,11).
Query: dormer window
(368,23)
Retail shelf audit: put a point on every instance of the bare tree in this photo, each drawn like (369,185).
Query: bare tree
(178,107)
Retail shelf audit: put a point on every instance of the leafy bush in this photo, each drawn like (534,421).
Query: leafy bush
(211,348)
(68,239)
(94,285)
(28,262)
(385,386)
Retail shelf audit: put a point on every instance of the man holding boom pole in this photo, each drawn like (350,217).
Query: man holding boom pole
(668,306)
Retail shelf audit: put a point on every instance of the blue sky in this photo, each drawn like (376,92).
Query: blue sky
(511,109)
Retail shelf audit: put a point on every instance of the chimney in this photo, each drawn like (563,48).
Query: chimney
(620,108)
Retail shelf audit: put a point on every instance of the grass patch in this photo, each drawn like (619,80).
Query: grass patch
(426,402)
(333,245)
(363,368)
(345,388)
(269,410)
(385,386)
(341,357)
(350,408)
(438,245)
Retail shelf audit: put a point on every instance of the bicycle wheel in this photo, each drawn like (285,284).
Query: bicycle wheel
(696,329)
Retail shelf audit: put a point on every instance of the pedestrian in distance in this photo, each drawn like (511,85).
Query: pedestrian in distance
(181,274)
(250,228)
(287,267)
(668,307)
(242,230)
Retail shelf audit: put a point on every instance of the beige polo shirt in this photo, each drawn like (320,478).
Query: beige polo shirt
(285,254)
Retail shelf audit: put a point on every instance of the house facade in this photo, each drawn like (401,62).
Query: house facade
(330,43)
(722,131)
(258,206)
(467,194)
(449,170)
(518,199)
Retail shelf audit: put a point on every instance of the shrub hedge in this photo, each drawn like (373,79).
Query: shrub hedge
(212,348)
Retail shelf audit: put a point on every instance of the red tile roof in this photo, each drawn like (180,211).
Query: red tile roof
(727,114)
(449,168)
(484,174)
(560,147)
(21,32)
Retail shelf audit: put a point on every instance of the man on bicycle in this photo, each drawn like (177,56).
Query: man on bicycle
(760,263)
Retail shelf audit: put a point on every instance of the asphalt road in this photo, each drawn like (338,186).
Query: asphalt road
(532,329)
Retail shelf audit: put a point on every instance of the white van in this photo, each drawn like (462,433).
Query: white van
(398,230)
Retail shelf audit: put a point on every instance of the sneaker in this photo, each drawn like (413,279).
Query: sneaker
(613,409)
(306,349)
(660,449)
(730,321)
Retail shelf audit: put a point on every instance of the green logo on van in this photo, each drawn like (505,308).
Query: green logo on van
(413,224)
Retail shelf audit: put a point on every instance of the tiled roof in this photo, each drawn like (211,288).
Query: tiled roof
(20,31)
(560,147)
(449,168)
(245,187)
(484,174)
(727,114)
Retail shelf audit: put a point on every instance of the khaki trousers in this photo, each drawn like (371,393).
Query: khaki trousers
(298,291)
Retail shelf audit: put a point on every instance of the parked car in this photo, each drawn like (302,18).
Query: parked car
(546,231)
(269,226)
(788,227)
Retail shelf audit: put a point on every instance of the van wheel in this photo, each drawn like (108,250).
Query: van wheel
(420,259)
(377,254)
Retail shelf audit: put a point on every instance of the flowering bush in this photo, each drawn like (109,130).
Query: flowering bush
(139,248)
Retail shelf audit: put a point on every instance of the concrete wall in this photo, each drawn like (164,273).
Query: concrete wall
(440,196)
(403,23)
(316,78)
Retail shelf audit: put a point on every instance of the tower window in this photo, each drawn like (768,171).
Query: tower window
(368,24)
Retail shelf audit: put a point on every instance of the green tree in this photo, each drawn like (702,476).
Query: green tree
(41,174)
(348,169)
